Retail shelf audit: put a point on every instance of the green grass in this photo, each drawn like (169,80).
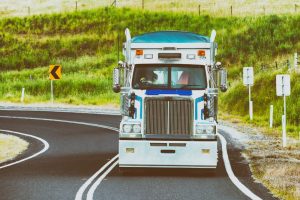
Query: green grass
(85,44)
(86,80)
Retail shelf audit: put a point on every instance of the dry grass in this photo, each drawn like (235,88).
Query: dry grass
(213,7)
(276,167)
(11,146)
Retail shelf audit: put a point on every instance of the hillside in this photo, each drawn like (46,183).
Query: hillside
(85,44)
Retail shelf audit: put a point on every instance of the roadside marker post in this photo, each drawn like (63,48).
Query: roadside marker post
(296,61)
(283,88)
(271,116)
(22,95)
(54,74)
(248,80)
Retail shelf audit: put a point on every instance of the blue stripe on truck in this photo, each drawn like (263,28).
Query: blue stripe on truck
(178,92)
(138,98)
(197,100)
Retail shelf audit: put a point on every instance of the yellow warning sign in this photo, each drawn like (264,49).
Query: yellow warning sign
(55,72)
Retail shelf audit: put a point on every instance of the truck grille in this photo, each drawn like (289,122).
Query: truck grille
(168,116)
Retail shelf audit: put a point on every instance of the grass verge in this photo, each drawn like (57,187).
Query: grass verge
(11,146)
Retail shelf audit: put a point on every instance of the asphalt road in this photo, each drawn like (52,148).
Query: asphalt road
(76,152)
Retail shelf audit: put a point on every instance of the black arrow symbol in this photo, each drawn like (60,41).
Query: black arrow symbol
(53,72)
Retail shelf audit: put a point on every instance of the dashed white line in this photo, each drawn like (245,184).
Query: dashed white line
(46,147)
(230,173)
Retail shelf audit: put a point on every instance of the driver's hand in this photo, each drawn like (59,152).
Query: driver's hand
(145,81)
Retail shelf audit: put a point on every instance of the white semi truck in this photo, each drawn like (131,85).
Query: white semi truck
(169,85)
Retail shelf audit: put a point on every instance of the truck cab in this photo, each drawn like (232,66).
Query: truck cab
(169,86)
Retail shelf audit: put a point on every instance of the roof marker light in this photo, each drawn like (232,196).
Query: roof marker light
(201,53)
(139,52)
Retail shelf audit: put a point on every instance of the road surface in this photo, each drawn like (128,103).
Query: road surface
(78,148)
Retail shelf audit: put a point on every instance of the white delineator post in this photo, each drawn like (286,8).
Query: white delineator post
(52,96)
(283,88)
(296,60)
(248,80)
(250,105)
(271,116)
(22,95)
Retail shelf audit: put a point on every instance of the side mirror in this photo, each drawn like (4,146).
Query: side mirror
(223,80)
(116,80)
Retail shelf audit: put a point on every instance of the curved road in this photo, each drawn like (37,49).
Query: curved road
(77,151)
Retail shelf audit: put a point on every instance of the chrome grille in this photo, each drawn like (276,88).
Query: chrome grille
(168,116)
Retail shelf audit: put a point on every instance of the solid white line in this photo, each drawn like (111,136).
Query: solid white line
(63,121)
(63,110)
(46,147)
(89,181)
(230,173)
(228,168)
(81,190)
(90,194)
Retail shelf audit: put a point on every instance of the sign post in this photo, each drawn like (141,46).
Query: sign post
(283,88)
(248,80)
(54,74)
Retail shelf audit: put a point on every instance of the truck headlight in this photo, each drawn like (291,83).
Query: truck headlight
(127,128)
(210,129)
(200,129)
(205,129)
(136,128)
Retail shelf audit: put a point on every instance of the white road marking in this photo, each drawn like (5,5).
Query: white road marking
(63,121)
(81,190)
(46,147)
(91,191)
(230,173)
(63,110)
(90,194)
(89,181)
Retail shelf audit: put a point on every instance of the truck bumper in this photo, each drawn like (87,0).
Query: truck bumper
(168,154)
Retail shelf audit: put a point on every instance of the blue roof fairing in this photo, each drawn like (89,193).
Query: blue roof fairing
(170,37)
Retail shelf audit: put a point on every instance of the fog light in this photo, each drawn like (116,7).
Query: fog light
(205,151)
(129,150)
(127,128)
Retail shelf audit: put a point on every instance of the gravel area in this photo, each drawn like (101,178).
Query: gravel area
(276,167)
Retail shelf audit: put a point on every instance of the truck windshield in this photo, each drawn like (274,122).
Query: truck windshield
(158,76)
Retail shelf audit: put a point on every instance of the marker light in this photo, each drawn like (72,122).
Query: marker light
(201,53)
(191,56)
(139,52)
(148,56)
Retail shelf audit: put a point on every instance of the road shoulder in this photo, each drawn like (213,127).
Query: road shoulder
(277,168)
